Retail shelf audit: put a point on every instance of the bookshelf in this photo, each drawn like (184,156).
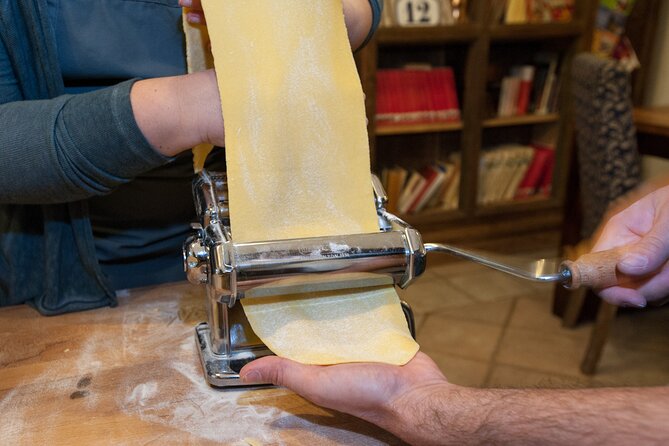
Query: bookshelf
(479,50)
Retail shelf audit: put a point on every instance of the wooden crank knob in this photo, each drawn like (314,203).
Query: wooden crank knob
(594,270)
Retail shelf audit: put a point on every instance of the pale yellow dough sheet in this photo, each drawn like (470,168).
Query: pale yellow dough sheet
(298,166)
(355,325)
(198,58)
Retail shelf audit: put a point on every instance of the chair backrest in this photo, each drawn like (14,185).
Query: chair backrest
(608,158)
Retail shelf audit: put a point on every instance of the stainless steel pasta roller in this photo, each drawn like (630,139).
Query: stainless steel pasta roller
(395,255)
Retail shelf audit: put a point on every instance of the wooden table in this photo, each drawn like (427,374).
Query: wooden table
(131,375)
(652,126)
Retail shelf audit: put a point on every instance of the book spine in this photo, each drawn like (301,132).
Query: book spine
(533,176)
(526,75)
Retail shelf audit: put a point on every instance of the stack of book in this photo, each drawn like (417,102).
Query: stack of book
(515,172)
(416,95)
(530,88)
(435,186)
(609,38)
(533,11)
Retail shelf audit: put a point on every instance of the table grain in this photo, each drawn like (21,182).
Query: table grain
(131,375)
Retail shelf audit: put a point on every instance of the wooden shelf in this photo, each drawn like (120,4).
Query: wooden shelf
(654,120)
(432,216)
(463,32)
(505,207)
(407,129)
(466,32)
(521,120)
(535,31)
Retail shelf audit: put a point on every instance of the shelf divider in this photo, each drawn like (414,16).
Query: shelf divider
(444,34)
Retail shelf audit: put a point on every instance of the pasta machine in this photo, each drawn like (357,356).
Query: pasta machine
(395,255)
(234,271)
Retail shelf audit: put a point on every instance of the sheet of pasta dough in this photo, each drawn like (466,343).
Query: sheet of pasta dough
(298,166)
(198,58)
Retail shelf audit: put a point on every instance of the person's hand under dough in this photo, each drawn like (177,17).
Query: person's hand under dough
(372,391)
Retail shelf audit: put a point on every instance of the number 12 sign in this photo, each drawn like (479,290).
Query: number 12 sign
(417,12)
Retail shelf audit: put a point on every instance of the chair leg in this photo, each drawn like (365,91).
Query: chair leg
(573,308)
(572,300)
(600,332)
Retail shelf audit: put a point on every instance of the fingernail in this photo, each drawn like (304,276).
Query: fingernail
(251,377)
(186,3)
(193,17)
(633,304)
(634,261)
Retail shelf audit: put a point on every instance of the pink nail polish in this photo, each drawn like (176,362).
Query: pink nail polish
(194,17)
(630,304)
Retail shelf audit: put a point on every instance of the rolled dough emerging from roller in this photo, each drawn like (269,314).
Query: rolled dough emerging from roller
(298,166)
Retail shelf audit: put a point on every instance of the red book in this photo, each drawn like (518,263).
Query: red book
(391,97)
(451,92)
(398,94)
(535,173)
(405,88)
(449,108)
(384,105)
(434,93)
(412,188)
(430,174)
(421,98)
(526,75)
(546,185)
(416,95)
(381,93)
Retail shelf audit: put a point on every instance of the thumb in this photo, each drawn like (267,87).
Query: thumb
(271,369)
(646,255)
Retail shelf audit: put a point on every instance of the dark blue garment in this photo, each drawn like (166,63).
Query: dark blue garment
(54,154)
(45,261)
(140,226)
(103,40)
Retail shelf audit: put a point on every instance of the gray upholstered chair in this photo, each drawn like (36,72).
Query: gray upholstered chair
(605,136)
(609,165)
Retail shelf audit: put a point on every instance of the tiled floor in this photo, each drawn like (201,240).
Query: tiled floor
(489,329)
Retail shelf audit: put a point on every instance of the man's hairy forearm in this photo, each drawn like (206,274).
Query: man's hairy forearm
(449,414)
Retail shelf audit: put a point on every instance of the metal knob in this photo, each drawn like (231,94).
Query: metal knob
(196,261)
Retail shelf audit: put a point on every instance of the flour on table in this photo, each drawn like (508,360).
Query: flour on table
(150,372)
(221,415)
